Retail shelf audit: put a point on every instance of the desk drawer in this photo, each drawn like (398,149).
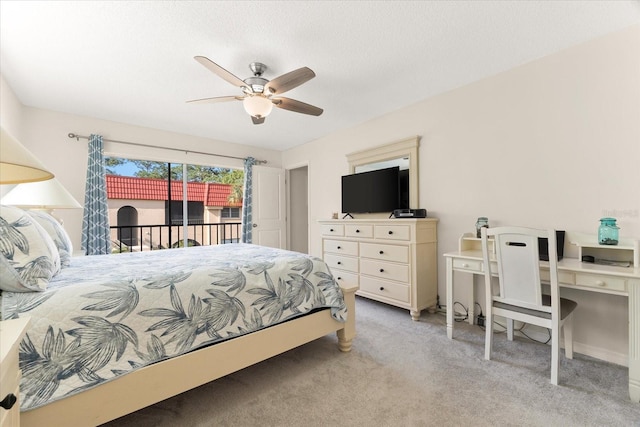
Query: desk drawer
(563,277)
(332,230)
(384,252)
(341,262)
(358,230)
(385,270)
(393,232)
(384,288)
(468,265)
(601,282)
(341,247)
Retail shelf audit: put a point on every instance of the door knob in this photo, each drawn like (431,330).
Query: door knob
(254,225)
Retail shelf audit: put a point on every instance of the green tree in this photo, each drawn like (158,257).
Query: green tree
(111,162)
(235,177)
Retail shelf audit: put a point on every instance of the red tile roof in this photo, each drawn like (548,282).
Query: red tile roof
(210,193)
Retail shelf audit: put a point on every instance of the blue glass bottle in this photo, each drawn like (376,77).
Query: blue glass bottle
(608,231)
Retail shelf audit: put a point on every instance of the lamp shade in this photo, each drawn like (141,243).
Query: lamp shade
(257,105)
(48,194)
(17,164)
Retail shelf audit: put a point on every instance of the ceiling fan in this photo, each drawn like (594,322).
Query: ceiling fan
(259,94)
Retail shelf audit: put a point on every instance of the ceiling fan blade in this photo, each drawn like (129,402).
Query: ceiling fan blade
(296,106)
(216,99)
(257,120)
(289,81)
(221,72)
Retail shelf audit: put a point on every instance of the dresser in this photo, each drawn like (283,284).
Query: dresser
(391,260)
(11,333)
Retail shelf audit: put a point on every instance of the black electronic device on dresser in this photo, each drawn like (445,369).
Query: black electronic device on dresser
(381,190)
(410,213)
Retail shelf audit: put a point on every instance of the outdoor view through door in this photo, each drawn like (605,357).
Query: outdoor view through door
(146,204)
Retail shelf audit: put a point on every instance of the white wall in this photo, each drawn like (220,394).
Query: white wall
(11,109)
(553,143)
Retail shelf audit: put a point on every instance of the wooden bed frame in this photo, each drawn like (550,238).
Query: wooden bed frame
(168,378)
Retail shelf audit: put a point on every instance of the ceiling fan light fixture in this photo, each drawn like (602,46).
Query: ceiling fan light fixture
(257,105)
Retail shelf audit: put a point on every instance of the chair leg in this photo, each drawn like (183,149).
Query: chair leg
(555,355)
(509,329)
(567,330)
(488,339)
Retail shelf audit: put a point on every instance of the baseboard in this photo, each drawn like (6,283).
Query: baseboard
(601,353)
(541,334)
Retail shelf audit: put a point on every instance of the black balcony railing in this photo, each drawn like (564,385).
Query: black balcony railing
(135,238)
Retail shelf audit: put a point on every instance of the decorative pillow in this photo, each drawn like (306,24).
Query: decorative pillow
(58,234)
(29,258)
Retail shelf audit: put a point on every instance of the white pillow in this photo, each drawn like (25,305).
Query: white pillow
(58,234)
(28,256)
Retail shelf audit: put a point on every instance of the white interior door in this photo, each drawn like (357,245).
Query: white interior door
(269,207)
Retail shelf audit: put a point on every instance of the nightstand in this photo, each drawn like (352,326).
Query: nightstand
(11,333)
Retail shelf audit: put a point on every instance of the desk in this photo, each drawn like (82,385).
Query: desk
(573,274)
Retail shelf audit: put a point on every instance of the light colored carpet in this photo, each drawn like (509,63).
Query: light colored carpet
(406,373)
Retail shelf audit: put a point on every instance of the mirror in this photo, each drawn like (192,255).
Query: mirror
(402,153)
(402,163)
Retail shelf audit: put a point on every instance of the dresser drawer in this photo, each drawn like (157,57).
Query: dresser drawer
(601,282)
(11,417)
(341,247)
(10,374)
(393,232)
(384,252)
(345,277)
(468,264)
(358,230)
(384,288)
(9,383)
(385,270)
(341,262)
(332,230)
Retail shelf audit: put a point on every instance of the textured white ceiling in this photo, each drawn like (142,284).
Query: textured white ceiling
(132,61)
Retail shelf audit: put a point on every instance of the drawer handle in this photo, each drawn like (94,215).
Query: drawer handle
(465,265)
(601,283)
(357,231)
(331,230)
(9,400)
(382,288)
(339,262)
(382,270)
(390,232)
(339,278)
(339,247)
(381,252)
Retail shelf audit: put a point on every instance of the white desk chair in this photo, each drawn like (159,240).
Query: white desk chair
(520,292)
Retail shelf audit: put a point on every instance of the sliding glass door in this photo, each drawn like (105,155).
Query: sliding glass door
(157,205)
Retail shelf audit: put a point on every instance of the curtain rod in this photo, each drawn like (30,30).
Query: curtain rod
(77,137)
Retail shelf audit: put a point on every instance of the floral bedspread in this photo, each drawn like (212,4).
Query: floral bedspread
(107,315)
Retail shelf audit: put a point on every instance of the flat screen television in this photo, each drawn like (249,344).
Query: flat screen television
(374,191)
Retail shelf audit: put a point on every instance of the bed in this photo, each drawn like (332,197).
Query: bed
(111,334)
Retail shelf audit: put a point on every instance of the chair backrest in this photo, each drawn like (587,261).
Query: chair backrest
(518,265)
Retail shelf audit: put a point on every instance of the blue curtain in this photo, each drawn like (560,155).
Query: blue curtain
(95,222)
(246,199)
